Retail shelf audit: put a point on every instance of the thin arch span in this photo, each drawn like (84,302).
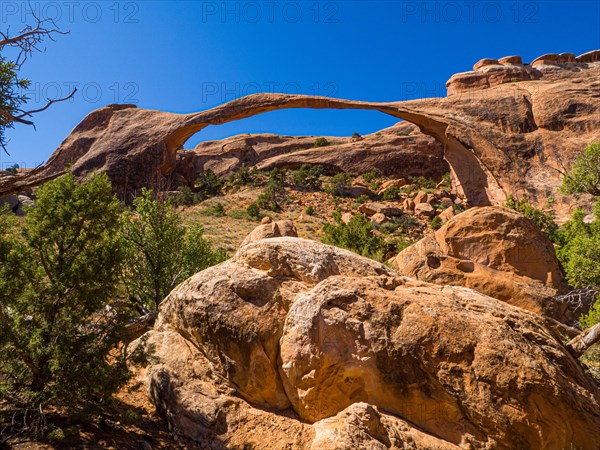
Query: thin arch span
(471,178)
(134,146)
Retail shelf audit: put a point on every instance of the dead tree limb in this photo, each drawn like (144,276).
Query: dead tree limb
(30,38)
(26,42)
(584,340)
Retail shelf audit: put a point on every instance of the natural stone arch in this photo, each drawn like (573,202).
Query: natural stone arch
(471,179)
(134,145)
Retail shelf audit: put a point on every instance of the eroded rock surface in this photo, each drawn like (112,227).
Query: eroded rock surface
(296,344)
(495,251)
(398,151)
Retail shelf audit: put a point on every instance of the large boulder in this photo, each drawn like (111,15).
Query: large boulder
(459,365)
(271,229)
(296,344)
(495,251)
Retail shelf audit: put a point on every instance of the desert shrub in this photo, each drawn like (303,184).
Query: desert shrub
(219,209)
(309,210)
(338,184)
(215,210)
(543,219)
(399,243)
(208,184)
(405,222)
(57,435)
(591,359)
(320,142)
(579,242)
(592,317)
(243,177)
(422,182)
(458,208)
(362,199)
(13,169)
(371,175)
(436,223)
(386,227)
(161,252)
(391,193)
(447,181)
(186,197)
(273,196)
(253,211)
(578,249)
(357,235)
(308,176)
(59,276)
(356,135)
(584,176)
(401,224)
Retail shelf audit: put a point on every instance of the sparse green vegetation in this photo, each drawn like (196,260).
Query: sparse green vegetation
(436,223)
(584,177)
(592,317)
(423,183)
(579,249)
(186,197)
(357,235)
(446,181)
(361,199)
(308,176)
(253,211)
(208,184)
(161,252)
(273,196)
(321,142)
(339,184)
(391,193)
(543,219)
(309,210)
(217,210)
(243,177)
(371,175)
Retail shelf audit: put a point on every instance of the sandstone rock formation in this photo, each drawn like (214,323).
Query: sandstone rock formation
(495,251)
(296,344)
(271,229)
(397,151)
(506,129)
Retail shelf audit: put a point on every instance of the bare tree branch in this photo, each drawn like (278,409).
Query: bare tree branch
(46,106)
(30,37)
(585,340)
(579,301)
(26,41)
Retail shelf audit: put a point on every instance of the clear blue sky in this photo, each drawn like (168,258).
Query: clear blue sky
(188,56)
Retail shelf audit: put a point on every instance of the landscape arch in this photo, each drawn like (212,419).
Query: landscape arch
(471,179)
(132,145)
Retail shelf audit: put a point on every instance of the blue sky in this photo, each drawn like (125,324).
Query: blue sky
(189,56)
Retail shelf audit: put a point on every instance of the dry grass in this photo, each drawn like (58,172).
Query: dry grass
(228,232)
